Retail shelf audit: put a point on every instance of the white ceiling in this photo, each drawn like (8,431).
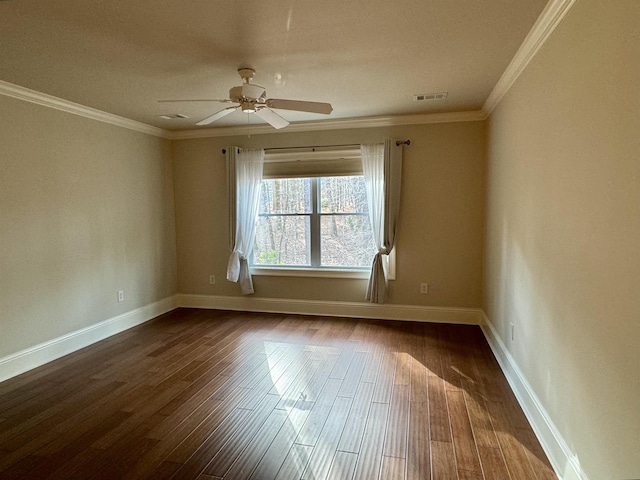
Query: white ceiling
(366,58)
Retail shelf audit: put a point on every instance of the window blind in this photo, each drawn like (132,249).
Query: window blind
(290,164)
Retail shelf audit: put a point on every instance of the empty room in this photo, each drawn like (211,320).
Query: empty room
(320,240)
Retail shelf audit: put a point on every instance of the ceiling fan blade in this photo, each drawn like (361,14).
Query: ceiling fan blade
(197,100)
(300,106)
(252,91)
(217,116)
(272,118)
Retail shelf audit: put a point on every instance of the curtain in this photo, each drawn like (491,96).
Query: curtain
(246,166)
(382,168)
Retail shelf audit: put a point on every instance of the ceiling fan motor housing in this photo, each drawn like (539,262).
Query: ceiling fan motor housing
(247,91)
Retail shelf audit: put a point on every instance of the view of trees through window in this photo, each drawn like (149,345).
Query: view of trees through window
(314,222)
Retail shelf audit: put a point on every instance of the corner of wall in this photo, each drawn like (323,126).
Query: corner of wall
(38,355)
(563,460)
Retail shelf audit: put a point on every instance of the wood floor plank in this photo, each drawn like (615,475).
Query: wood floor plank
(327,444)
(347,353)
(220,395)
(393,467)
(296,389)
(370,458)
(49,430)
(439,423)
(374,362)
(403,367)
(77,466)
(481,422)
(386,377)
(470,475)
(537,458)
(353,374)
(443,461)
(343,466)
(515,457)
(227,455)
(419,381)
(248,460)
(314,387)
(493,464)
(319,413)
(353,431)
(309,390)
(282,384)
(193,460)
(418,452)
(16,432)
(395,444)
(463,441)
(277,453)
(58,452)
(295,462)
(126,451)
(222,418)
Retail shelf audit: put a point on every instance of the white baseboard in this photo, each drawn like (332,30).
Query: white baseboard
(33,357)
(563,460)
(416,313)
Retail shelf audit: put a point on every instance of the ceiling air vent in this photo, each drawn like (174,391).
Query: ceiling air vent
(430,96)
(173,116)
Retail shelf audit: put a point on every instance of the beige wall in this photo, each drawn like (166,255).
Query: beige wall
(86,209)
(563,232)
(440,230)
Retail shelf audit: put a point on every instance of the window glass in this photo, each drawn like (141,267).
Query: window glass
(346,241)
(285,195)
(314,222)
(346,194)
(282,240)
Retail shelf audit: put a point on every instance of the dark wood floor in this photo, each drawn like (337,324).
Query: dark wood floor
(211,395)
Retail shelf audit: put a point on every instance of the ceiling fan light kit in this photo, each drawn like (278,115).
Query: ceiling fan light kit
(253,99)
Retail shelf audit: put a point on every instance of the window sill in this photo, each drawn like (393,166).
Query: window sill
(311,272)
(327,272)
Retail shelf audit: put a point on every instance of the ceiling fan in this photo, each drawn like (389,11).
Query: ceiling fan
(253,99)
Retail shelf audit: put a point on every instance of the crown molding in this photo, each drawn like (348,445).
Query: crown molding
(547,22)
(32,96)
(337,124)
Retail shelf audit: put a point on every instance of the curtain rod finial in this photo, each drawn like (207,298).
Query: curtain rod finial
(401,142)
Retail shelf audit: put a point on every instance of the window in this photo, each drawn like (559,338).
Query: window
(313,213)
(316,222)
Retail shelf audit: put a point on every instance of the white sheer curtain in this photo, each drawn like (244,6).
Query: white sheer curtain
(382,168)
(245,176)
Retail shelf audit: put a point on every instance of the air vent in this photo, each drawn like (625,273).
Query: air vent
(173,116)
(430,96)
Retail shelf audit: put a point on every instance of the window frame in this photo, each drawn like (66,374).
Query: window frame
(315,164)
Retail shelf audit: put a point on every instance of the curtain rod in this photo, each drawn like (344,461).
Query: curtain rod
(352,145)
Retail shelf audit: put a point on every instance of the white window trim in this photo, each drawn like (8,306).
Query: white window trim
(322,272)
(319,155)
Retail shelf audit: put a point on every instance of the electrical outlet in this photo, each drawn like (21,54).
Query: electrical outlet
(212,279)
(513,331)
(424,288)
(120,296)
